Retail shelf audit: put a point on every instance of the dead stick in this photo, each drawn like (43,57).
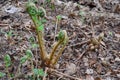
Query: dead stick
(81,55)
(81,43)
(4,24)
(53,70)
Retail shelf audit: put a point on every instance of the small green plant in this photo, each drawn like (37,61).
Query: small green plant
(9,34)
(2,74)
(50,4)
(110,33)
(8,63)
(32,42)
(59,17)
(48,1)
(26,57)
(38,72)
(7,60)
(49,59)
(82,14)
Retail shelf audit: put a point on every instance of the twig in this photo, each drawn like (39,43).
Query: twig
(53,70)
(60,77)
(81,43)
(82,55)
(93,32)
(4,24)
(99,5)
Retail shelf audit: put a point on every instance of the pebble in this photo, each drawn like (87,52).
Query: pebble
(89,71)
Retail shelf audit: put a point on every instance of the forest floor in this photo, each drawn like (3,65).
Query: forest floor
(85,22)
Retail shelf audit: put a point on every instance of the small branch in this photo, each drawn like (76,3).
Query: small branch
(4,24)
(60,77)
(93,32)
(53,70)
(81,55)
(81,43)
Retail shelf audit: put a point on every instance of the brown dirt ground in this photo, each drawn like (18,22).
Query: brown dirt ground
(83,20)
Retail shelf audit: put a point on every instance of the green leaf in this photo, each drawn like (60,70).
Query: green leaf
(110,33)
(12,75)
(59,17)
(39,72)
(81,13)
(34,45)
(31,8)
(7,60)
(52,6)
(41,13)
(9,33)
(32,39)
(48,1)
(38,79)
(60,35)
(35,71)
(35,1)
(63,36)
(29,53)
(43,20)
(2,74)
(41,28)
(23,59)
(30,77)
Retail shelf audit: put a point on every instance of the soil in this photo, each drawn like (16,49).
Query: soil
(84,21)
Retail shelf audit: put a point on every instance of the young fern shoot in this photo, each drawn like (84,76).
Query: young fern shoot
(48,59)
(35,16)
(62,41)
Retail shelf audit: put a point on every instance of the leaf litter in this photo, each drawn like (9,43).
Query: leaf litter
(84,20)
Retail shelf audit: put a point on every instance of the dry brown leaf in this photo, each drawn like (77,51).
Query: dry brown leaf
(71,68)
(89,77)
(99,68)
(98,78)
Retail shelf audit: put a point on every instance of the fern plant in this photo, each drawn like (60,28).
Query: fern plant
(49,59)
